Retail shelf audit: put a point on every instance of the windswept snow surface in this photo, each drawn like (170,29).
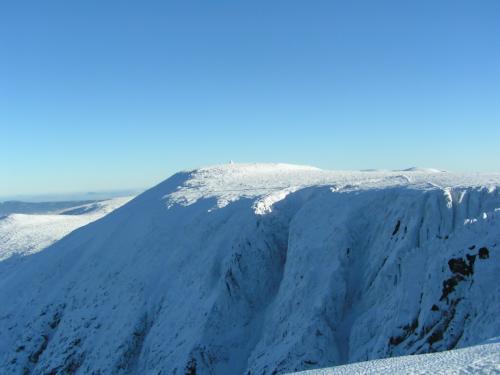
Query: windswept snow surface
(478,359)
(23,234)
(262,269)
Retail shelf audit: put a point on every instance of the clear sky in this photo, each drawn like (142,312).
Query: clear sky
(118,94)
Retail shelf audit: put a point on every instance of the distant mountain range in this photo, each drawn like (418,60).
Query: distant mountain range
(70,197)
(27,227)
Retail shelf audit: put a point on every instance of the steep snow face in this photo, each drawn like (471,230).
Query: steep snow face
(477,359)
(262,268)
(23,234)
(394,271)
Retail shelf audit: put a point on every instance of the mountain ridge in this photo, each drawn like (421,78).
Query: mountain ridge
(262,269)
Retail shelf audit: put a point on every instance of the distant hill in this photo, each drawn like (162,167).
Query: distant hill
(19,207)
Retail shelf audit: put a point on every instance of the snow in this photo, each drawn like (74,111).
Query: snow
(22,207)
(24,234)
(231,182)
(262,268)
(423,170)
(478,359)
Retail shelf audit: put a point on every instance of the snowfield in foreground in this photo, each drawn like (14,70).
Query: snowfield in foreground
(478,359)
(262,269)
(23,234)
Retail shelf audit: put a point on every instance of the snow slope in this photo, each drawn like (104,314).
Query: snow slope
(478,359)
(23,234)
(262,269)
(21,207)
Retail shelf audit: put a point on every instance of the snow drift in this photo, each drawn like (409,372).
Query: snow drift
(262,269)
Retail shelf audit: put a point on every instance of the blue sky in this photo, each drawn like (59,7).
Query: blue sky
(116,94)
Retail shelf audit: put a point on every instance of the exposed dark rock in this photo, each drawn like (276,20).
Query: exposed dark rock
(309,362)
(471,259)
(437,335)
(396,229)
(56,319)
(407,331)
(36,355)
(484,253)
(444,324)
(449,285)
(73,365)
(460,266)
(190,367)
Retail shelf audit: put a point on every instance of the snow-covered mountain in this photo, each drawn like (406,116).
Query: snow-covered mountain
(41,224)
(22,207)
(262,269)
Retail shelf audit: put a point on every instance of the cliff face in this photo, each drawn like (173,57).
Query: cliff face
(262,269)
